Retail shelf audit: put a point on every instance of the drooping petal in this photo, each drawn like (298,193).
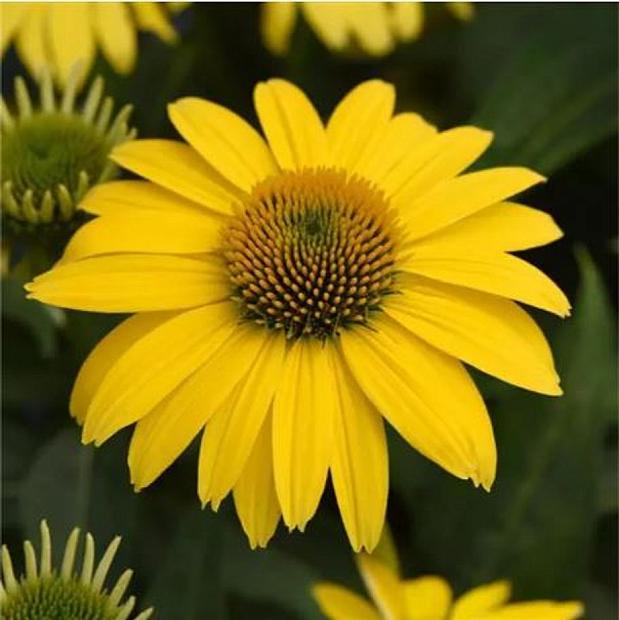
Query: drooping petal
(427,598)
(154,366)
(178,168)
(31,38)
(163,434)
(105,354)
(490,333)
(116,34)
(506,227)
(460,197)
(407,19)
(383,585)
(492,272)
(277,20)
(548,610)
(328,20)
(11,14)
(224,140)
(359,122)
(481,600)
(338,603)
(370,28)
(426,396)
(140,232)
(230,435)
(359,461)
(151,16)
(255,498)
(303,413)
(291,124)
(132,283)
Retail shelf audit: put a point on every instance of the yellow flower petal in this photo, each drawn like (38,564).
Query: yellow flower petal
(174,350)
(132,283)
(277,20)
(359,122)
(338,603)
(303,414)
(506,226)
(384,586)
(163,434)
(30,39)
(492,272)
(230,435)
(407,19)
(441,159)
(116,34)
(426,396)
(178,168)
(72,37)
(105,354)
(490,333)
(11,15)
(126,197)
(224,140)
(481,600)
(369,27)
(359,462)
(150,16)
(544,610)
(291,124)
(328,20)
(255,498)
(427,598)
(460,197)
(462,10)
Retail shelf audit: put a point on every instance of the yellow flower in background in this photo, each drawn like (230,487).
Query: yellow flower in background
(292,291)
(63,33)
(373,27)
(430,598)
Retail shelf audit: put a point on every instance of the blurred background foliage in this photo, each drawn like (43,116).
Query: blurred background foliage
(544,78)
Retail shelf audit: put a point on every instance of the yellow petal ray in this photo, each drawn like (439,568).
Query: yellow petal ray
(72,37)
(359,122)
(254,494)
(328,20)
(427,598)
(31,37)
(291,124)
(230,435)
(11,15)
(105,354)
(303,412)
(407,19)
(384,587)
(442,158)
(163,434)
(359,462)
(154,366)
(132,283)
(338,603)
(370,27)
(458,198)
(481,600)
(228,143)
(546,610)
(462,10)
(404,133)
(490,333)
(116,34)
(178,168)
(167,233)
(126,197)
(150,16)
(426,396)
(506,226)
(277,20)
(492,272)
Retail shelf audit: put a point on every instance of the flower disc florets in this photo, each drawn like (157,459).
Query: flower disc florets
(311,252)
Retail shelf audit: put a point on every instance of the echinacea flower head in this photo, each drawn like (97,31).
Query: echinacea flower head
(292,291)
(430,598)
(372,28)
(63,33)
(53,151)
(69,592)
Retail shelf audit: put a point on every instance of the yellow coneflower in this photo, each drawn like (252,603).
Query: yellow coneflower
(374,28)
(69,593)
(291,292)
(63,33)
(430,598)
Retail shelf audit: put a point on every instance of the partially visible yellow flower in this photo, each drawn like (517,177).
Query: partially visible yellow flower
(63,33)
(373,27)
(429,598)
